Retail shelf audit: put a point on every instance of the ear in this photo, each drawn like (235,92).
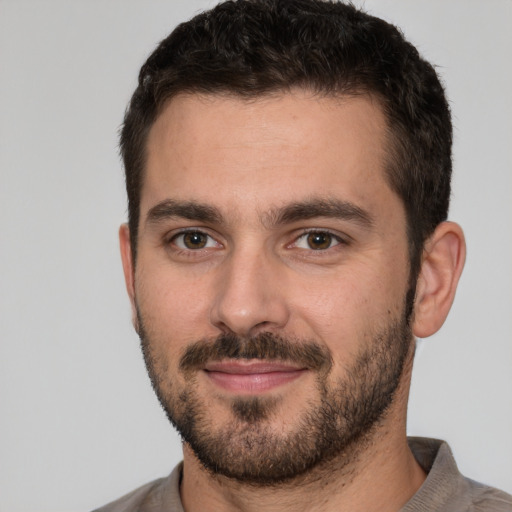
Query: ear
(128,268)
(443,260)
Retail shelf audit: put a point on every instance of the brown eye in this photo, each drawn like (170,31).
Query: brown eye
(193,240)
(319,241)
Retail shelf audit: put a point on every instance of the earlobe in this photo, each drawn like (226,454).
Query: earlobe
(128,268)
(443,260)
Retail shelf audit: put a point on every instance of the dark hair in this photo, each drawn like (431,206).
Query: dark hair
(249,48)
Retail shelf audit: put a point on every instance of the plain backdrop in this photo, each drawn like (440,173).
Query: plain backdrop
(79,424)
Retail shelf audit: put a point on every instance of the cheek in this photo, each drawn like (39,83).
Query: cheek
(174,309)
(343,310)
(337,311)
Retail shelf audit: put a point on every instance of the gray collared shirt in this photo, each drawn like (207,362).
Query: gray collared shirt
(444,490)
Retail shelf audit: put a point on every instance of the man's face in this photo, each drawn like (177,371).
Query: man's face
(272,269)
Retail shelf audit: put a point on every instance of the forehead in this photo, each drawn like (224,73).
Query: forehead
(252,153)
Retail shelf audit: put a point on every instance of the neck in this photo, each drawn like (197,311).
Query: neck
(377,473)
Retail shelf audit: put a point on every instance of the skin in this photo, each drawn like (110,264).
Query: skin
(249,161)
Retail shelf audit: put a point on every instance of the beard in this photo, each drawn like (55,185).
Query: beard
(331,427)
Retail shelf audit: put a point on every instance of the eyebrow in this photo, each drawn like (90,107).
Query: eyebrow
(312,208)
(190,210)
(294,212)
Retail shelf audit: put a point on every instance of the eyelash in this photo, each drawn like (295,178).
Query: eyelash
(183,233)
(332,237)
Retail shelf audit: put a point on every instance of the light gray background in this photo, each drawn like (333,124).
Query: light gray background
(79,424)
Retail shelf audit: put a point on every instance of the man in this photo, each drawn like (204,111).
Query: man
(288,174)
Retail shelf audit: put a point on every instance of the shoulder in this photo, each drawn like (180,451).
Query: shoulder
(161,494)
(488,499)
(445,488)
(133,501)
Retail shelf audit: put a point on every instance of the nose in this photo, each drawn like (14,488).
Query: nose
(250,295)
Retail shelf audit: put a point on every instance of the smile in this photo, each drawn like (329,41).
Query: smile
(251,377)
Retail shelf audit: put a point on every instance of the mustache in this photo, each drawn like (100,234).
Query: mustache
(267,346)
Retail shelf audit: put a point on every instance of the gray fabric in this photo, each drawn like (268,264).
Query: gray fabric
(162,495)
(444,490)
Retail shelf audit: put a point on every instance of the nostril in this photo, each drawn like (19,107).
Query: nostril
(260,325)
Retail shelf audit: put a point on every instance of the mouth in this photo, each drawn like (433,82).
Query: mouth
(251,377)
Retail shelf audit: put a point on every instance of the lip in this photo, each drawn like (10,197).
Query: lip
(251,377)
